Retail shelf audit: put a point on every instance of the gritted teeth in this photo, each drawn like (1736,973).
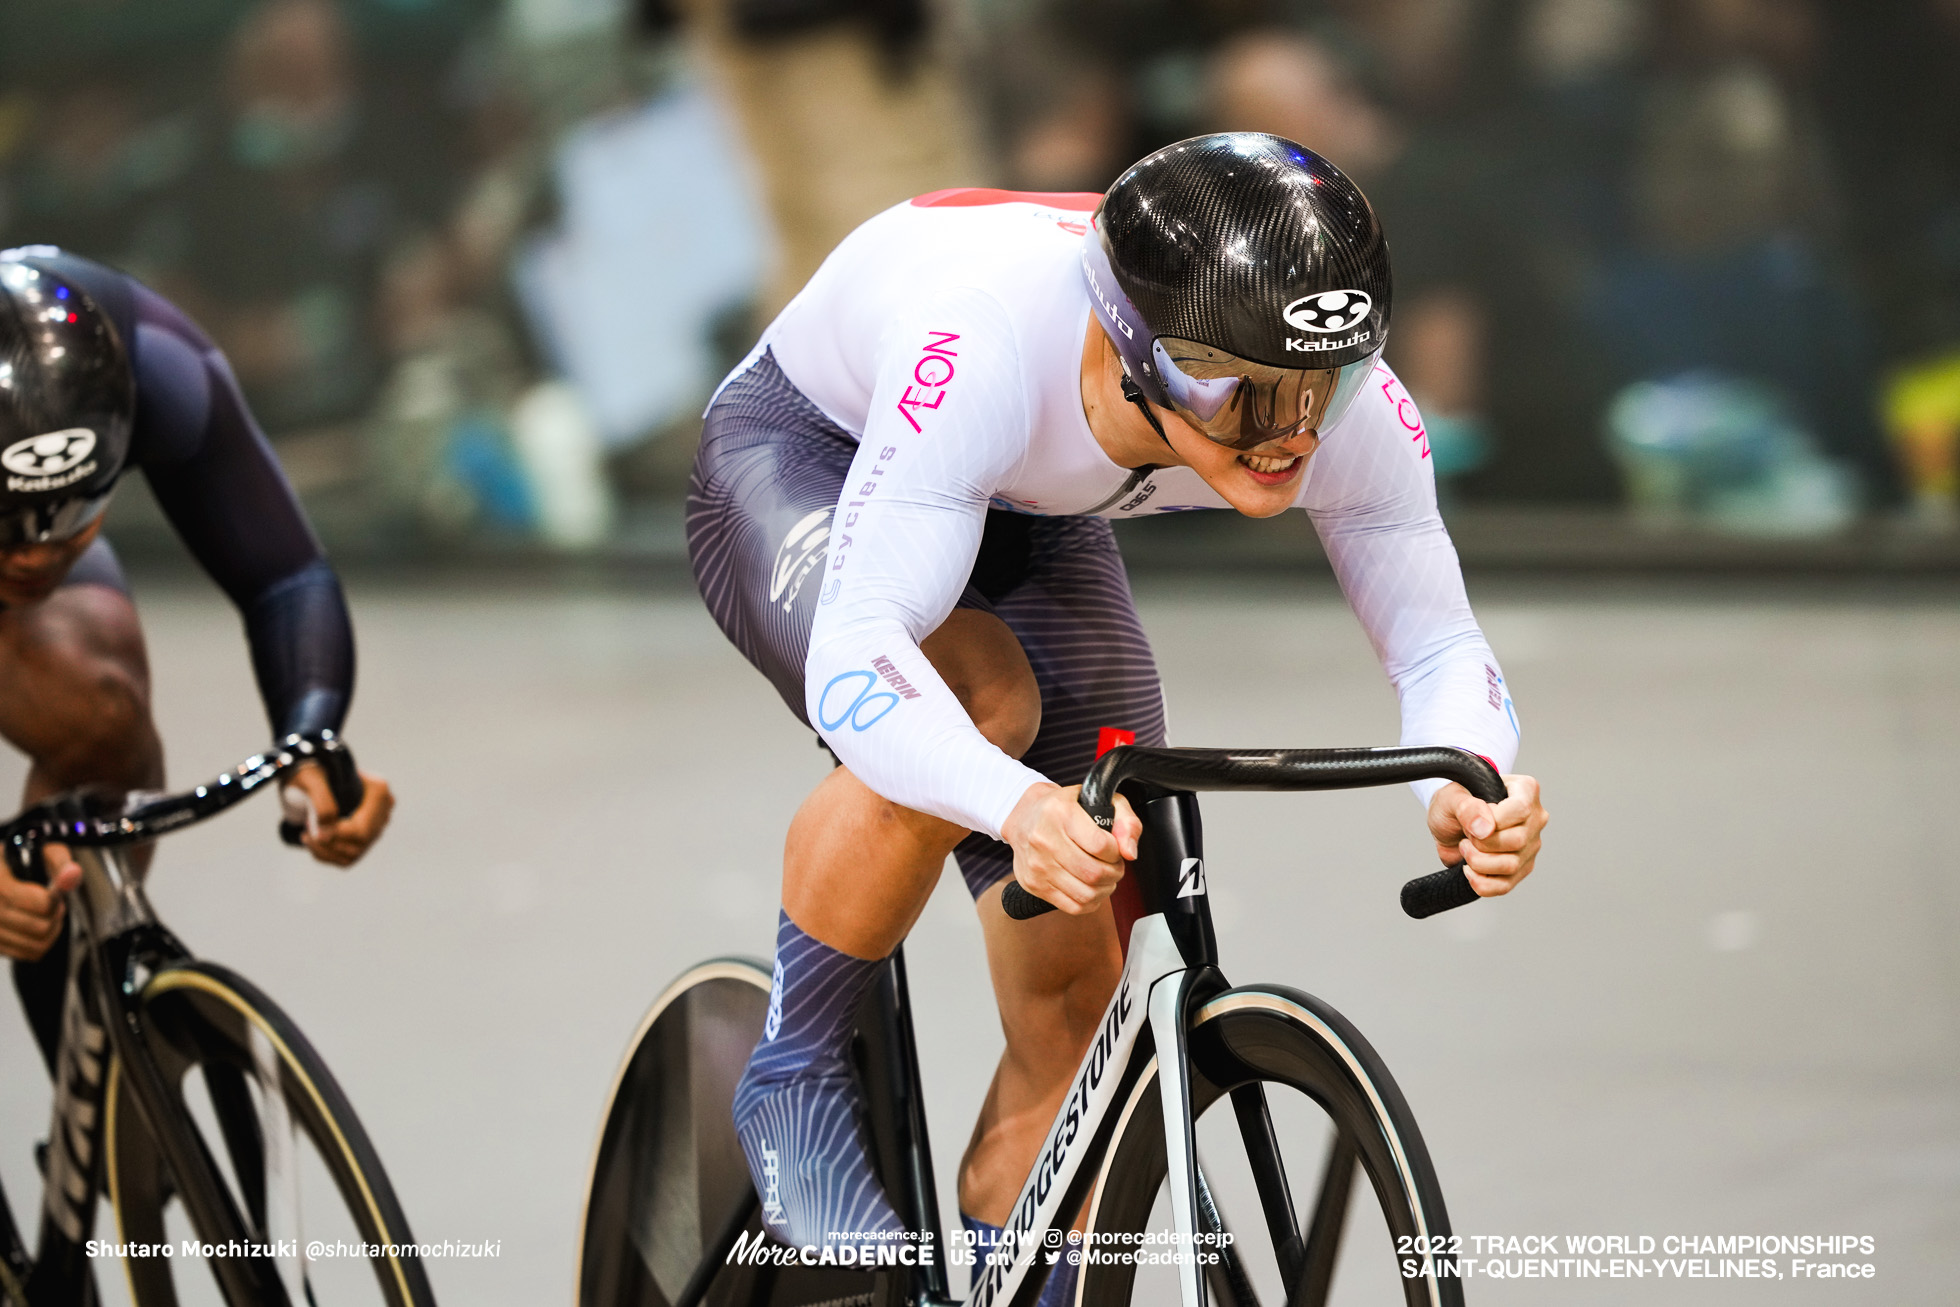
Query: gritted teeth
(1259,464)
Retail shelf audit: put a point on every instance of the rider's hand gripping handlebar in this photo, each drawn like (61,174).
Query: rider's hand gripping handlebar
(1284,769)
(343,779)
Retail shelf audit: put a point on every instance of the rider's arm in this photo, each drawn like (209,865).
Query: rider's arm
(1373,500)
(218,482)
(948,424)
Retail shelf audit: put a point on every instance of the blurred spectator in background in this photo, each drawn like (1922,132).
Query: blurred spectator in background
(1295,85)
(1736,275)
(283,168)
(95,155)
(1887,87)
(1298,86)
(445,448)
(847,106)
(1061,115)
(321,163)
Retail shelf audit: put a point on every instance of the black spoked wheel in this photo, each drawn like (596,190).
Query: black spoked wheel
(670,1198)
(282,1137)
(1294,1109)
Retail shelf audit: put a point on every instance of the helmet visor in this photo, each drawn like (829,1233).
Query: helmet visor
(1241,404)
(39,524)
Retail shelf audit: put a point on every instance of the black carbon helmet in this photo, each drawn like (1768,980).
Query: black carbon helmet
(1241,248)
(67,400)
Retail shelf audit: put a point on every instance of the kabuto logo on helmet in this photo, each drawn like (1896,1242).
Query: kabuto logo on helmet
(1328,310)
(39,462)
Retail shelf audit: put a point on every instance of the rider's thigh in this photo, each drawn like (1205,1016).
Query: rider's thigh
(1052,977)
(75,687)
(985,667)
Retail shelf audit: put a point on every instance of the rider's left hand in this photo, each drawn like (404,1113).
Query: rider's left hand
(1498,842)
(330,837)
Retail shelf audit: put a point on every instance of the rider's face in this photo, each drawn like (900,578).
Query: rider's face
(1258,482)
(30,573)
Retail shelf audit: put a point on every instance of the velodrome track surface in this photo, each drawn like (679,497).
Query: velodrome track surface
(1728,1003)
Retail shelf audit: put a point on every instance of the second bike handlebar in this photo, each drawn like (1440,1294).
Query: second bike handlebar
(1284,769)
(343,782)
(55,821)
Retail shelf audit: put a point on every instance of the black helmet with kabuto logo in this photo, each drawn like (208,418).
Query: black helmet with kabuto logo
(1245,283)
(67,399)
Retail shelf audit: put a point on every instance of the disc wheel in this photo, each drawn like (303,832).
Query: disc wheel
(1292,1106)
(670,1193)
(280,1135)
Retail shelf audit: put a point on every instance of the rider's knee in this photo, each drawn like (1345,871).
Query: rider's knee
(986,668)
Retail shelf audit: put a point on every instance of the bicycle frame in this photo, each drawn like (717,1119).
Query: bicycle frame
(1170,968)
(1171,961)
(116,946)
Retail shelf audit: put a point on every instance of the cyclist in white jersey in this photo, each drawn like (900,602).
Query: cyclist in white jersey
(900,516)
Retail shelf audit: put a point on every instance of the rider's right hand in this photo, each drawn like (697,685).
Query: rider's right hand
(30,914)
(1061,855)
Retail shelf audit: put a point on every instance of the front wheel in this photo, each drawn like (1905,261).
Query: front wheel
(1310,1104)
(277,1132)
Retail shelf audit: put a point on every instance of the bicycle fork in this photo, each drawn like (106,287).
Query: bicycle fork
(1169,1015)
(1170,961)
(104,1035)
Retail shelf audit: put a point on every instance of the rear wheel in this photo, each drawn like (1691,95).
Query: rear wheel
(280,1135)
(670,1193)
(1293,1108)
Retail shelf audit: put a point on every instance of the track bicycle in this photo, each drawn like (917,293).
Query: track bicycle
(246,1168)
(1197,1103)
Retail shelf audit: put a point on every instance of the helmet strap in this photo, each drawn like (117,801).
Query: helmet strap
(1135,395)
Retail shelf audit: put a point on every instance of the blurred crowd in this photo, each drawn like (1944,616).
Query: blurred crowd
(1697,256)
(1700,254)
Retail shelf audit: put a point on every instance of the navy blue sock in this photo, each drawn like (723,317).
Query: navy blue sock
(797,1106)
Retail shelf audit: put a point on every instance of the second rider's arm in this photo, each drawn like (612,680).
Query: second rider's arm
(217,480)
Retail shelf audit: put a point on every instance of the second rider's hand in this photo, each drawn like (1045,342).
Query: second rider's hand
(31,914)
(330,837)
(1495,843)
(1061,855)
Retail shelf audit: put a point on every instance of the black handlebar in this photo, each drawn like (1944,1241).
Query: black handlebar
(1284,769)
(57,819)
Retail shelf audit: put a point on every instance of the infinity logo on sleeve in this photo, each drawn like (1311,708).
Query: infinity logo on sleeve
(836,706)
